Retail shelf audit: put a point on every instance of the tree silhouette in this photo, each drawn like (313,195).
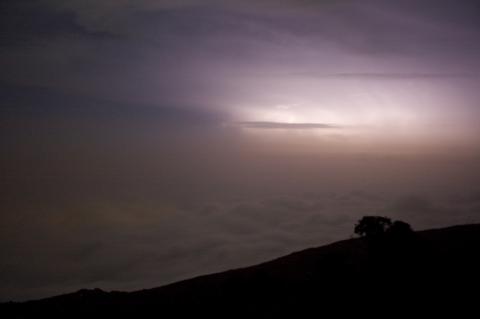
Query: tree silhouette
(389,245)
(372,226)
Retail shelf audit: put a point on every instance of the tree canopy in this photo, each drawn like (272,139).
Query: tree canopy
(375,226)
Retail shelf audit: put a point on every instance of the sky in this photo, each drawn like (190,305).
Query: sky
(145,142)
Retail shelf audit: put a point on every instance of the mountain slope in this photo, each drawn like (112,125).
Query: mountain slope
(443,264)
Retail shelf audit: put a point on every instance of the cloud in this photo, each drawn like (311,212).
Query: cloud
(286,126)
(143,244)
(413,204)
(425,212)
(388,75)
(109,15)
(32,100)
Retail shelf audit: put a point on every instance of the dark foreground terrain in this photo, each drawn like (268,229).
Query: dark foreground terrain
(434,272)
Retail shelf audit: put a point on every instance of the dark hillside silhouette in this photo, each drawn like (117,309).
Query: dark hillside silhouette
(410,272)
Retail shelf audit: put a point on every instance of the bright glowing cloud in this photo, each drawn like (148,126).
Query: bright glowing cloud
(409,108)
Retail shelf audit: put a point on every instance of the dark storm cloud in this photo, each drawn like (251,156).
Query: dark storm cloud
(30,24)
(151,51)
(376,25)
(18,100)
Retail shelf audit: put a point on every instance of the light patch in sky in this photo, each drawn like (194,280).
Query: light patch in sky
(411,110)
